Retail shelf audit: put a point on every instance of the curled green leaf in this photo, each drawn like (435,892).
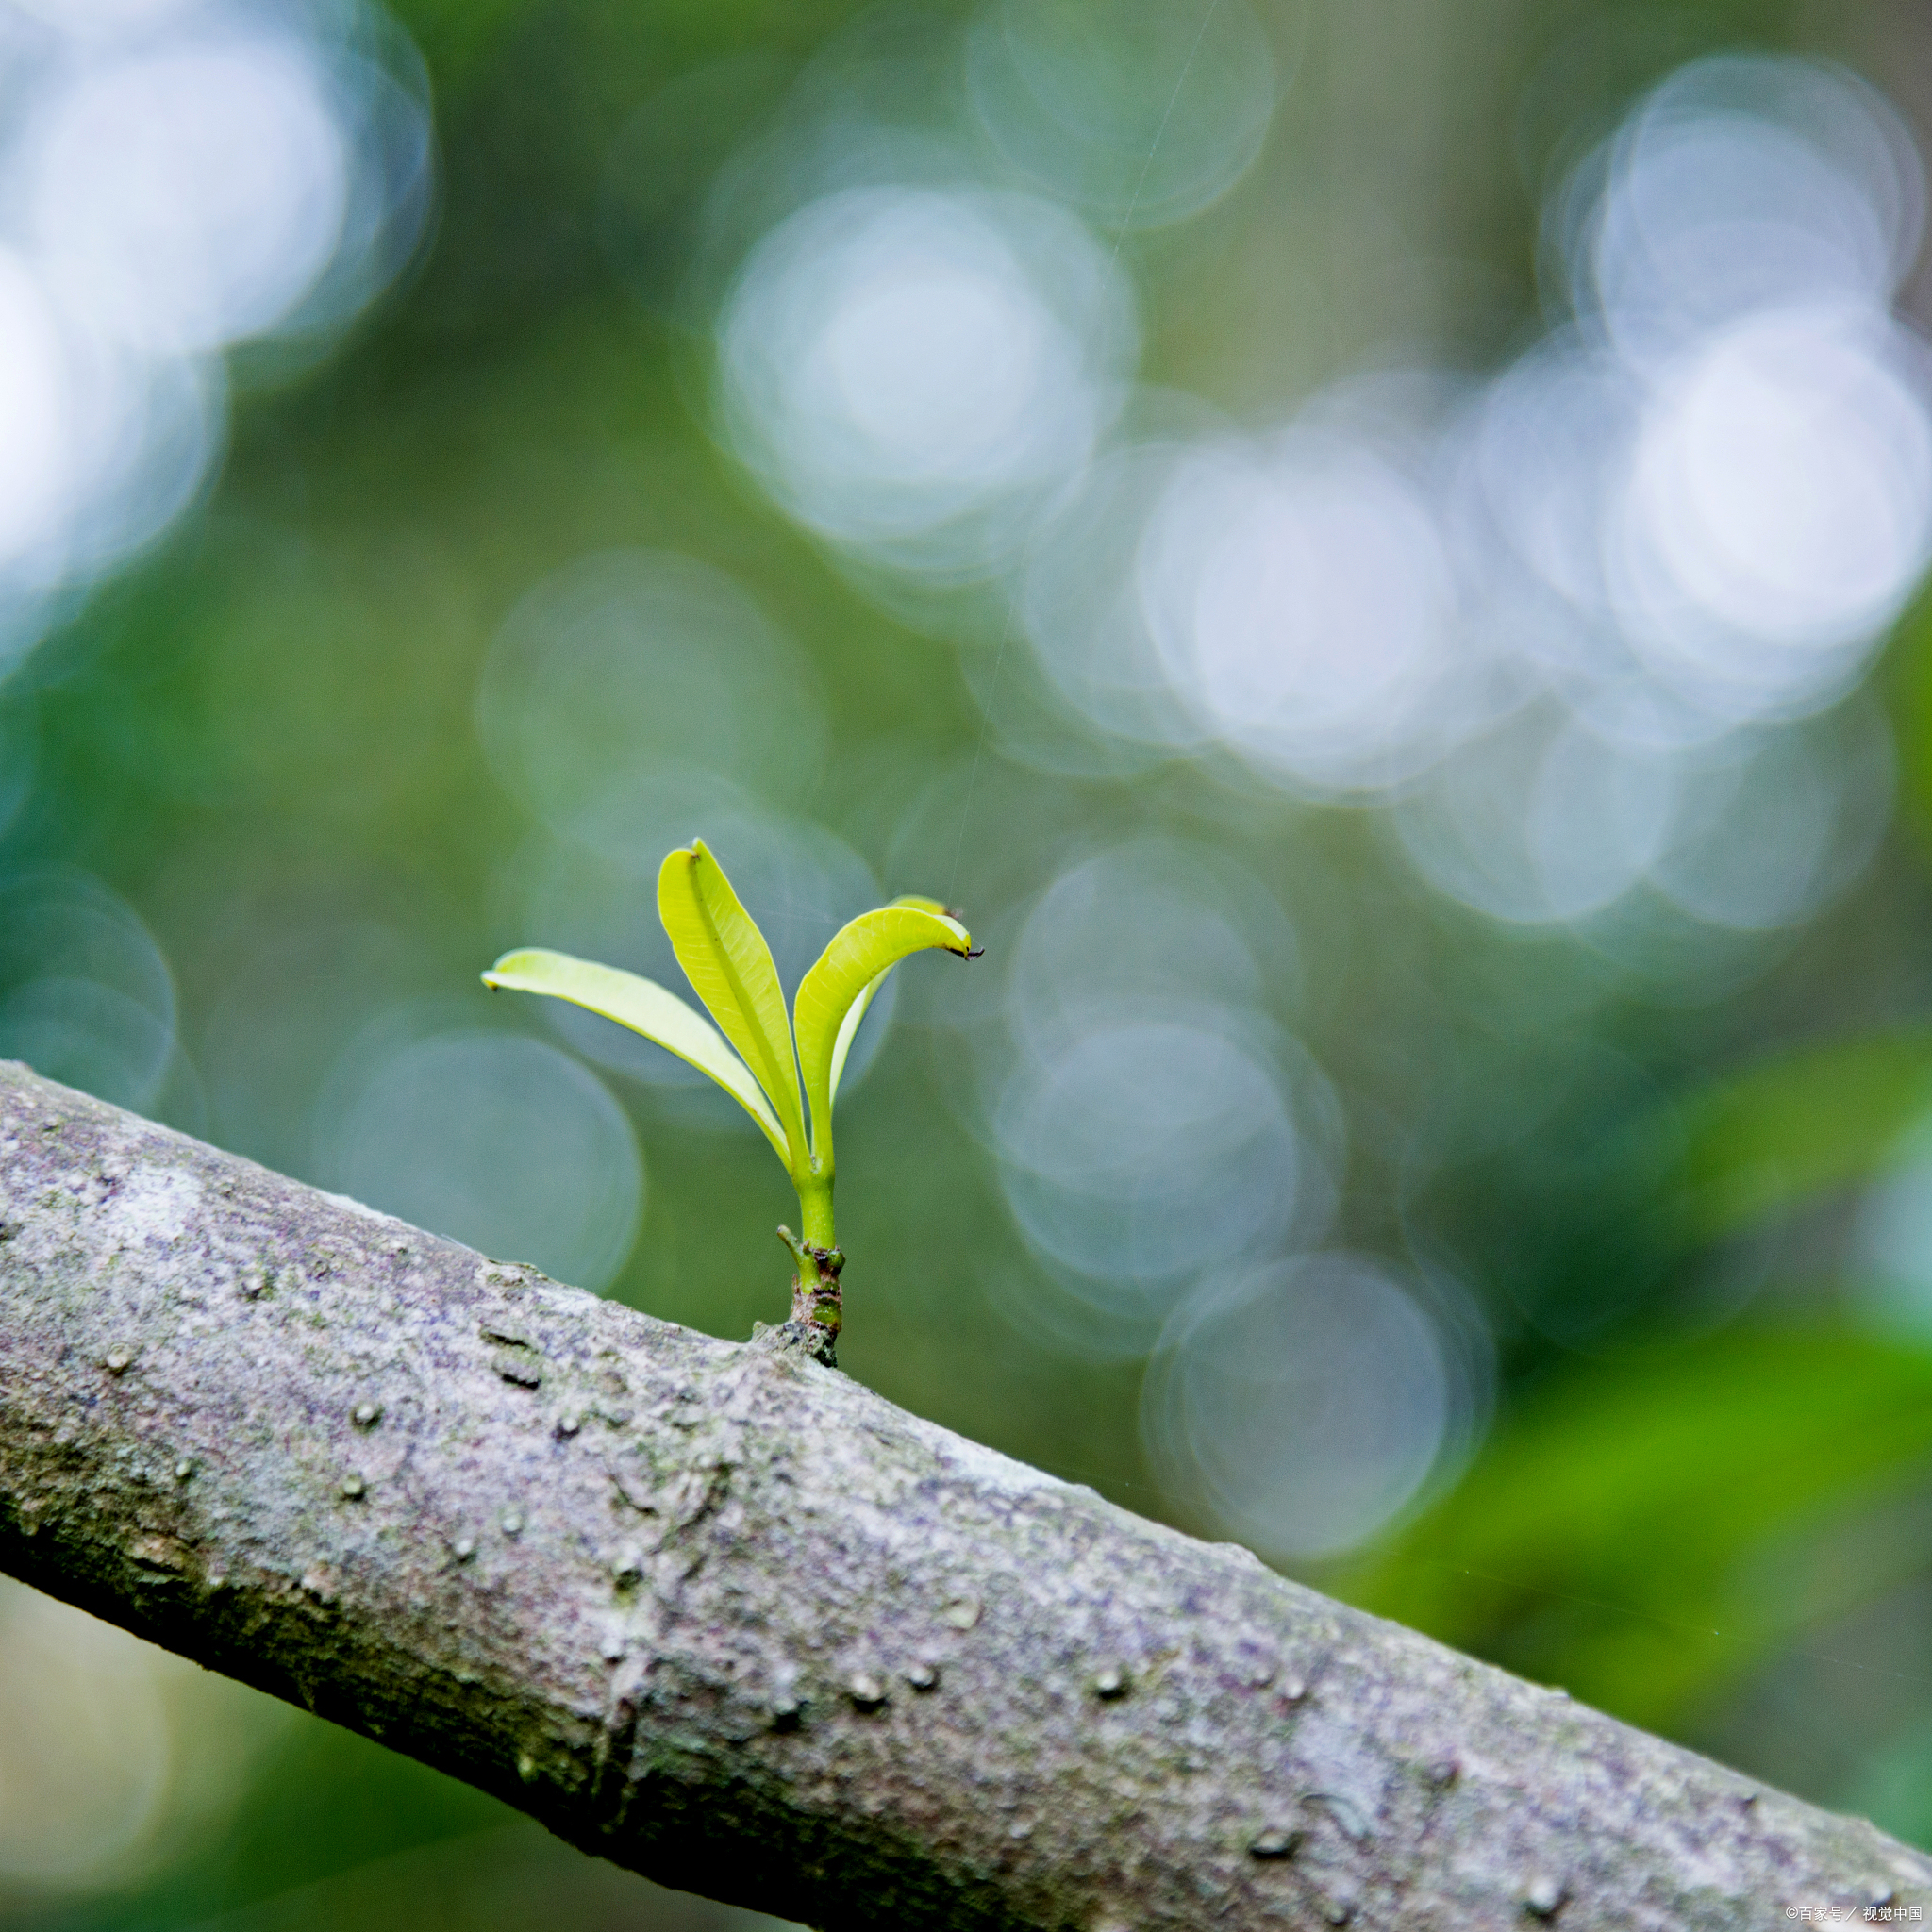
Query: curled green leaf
(833,996)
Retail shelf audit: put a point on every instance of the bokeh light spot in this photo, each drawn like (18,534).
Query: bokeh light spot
(503,1144)
(1300,1406)
(913,371)
(1144,112)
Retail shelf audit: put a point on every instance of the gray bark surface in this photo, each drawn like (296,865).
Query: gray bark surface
(719,1613)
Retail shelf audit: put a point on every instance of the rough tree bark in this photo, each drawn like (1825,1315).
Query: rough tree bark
(721,1614)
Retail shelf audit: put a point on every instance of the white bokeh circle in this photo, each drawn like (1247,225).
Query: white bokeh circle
(912,371)
(1144,112)
(1777,509)
(1305,603)
(494,1140)
(1300,1406)
(632,694)
(1147,1149)
(187,196)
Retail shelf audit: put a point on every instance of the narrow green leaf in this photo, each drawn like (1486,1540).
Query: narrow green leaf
(833,996)
(645,1007)
(726,959)
(1797,1126)
(1647,1531)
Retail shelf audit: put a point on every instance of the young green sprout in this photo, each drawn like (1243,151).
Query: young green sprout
(728,964)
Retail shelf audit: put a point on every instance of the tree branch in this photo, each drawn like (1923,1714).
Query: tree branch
(723,1615)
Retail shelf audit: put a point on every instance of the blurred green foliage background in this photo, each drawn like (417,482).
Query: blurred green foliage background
(1630,1171)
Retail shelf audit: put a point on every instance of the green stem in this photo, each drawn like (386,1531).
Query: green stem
(815,1206)
(816,1303)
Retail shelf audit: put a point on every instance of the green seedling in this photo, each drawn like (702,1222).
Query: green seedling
(729,965)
